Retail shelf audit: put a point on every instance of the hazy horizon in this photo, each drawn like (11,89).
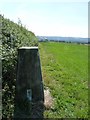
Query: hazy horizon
(59,36)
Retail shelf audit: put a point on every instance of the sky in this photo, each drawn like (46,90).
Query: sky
(49,17)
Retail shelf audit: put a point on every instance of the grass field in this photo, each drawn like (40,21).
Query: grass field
(65,72)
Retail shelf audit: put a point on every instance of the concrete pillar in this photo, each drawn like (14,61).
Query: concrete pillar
(29,84)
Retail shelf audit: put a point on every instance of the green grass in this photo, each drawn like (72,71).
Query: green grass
(65,72)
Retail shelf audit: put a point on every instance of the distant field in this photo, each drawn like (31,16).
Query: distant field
(65,72)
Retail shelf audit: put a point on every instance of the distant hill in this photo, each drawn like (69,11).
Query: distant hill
(63,39)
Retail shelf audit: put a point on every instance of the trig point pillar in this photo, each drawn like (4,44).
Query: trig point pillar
(29,84)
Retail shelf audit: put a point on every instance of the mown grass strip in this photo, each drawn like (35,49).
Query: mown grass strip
(65,72)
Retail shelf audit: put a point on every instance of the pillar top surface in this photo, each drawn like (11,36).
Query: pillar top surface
(35,47)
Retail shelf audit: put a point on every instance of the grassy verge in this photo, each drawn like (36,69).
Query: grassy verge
(65,72)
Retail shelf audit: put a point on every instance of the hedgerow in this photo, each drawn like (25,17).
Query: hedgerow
(12,37)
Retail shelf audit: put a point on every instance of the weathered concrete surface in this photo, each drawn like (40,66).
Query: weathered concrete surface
(29,84)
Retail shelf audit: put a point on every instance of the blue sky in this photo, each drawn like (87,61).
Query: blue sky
(49,17)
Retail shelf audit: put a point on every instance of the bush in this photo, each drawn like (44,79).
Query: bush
(13,36)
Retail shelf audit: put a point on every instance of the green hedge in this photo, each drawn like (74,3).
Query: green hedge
(13,36)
